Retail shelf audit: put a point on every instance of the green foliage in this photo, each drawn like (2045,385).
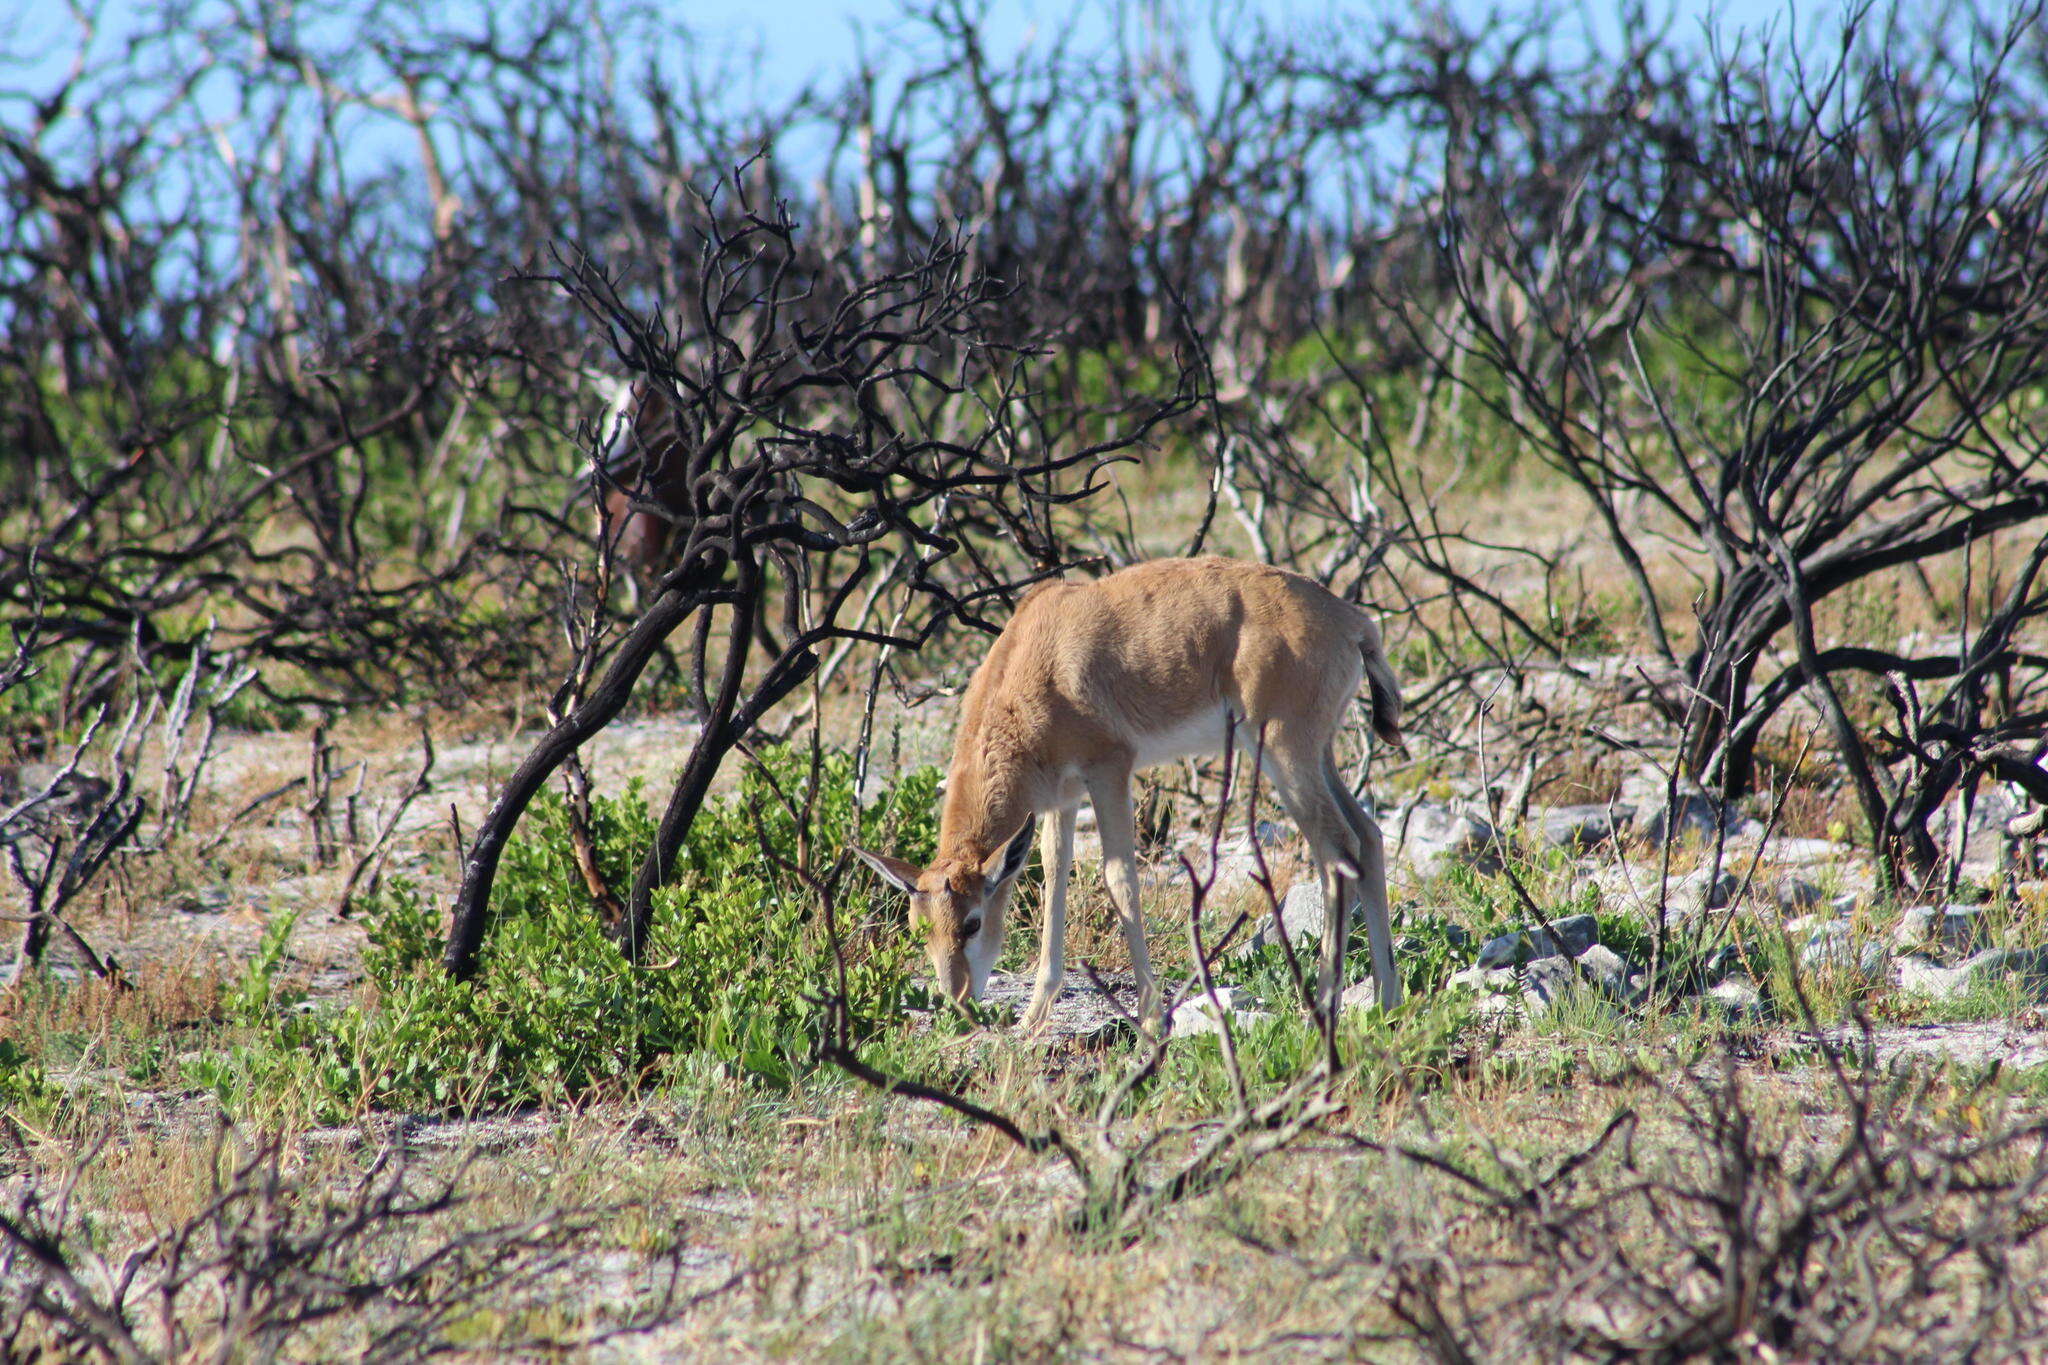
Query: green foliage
(28,706)
(1436,947)
(253,997)
(1430,947)
(1487,901)
(734,970)
(21,1077)
(1384,1054)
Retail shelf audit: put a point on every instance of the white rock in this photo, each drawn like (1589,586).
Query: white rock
(1482,978)
(1925,976)
(1795,894)
(1577,828)
(1361,996)
(1694,894)
(1739,997)
(1499,1009)
(1574,934)
(1498,951)
(1831,946)
(1799,852)
(1301,911)
(1952,926)
(1545,982)
(1432,837)
(1196,1016)
(1609,972)
(1663,813)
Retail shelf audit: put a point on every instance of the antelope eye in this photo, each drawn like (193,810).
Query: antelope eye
(971,928)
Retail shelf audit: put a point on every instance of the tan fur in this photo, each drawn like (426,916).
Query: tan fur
(1092,680)
(647,461)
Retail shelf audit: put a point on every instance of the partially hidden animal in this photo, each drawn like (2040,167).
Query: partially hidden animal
(1091,681)
(646,473)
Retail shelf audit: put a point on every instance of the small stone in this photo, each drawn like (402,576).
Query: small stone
(1433,838)
(1499,951)
(1696,893)
(1545,982)
(1744,829)
(1663,813)
(1739,998)
(1498,1009)
(1795,894)
(1720,964)
(1831,946)
(1916,925)
(1363,995)
(1197,1016)
(1301,911)
(1961,927)
(1816,927)
(1578,828)
(1826,941)
(1575,934)
(1624,884)
(1803,851)
(1194,1016)
(1925,976)
(1480,978)
(1610,972)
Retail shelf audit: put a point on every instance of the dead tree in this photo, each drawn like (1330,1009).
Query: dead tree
(1803,362)
(803,455)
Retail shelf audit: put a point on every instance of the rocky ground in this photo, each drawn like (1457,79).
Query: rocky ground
(1659,857)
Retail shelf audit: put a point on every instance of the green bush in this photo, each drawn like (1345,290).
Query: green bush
(734,968)
(21,1077)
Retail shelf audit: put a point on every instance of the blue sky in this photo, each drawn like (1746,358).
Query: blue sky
(804,39)
(809,36)
(801,39)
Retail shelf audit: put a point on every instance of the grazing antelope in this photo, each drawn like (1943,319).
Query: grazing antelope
(1091,681)
(643,455)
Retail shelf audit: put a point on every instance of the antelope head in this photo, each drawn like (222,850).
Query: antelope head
(960,904)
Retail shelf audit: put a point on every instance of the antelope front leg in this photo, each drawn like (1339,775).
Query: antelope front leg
(1110,793)
(1056,853)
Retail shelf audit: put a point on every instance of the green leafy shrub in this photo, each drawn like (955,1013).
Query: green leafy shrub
(21,1077)
(734,968)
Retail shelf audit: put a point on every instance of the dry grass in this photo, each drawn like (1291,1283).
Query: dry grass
(826,1222)
(832,1224)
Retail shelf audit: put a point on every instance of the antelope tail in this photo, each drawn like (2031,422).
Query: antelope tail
(1386,694)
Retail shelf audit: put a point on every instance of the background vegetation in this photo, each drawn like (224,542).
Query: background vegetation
(414,429)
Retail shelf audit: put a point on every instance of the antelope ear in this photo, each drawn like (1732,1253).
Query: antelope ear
(1006,862)
(896,872)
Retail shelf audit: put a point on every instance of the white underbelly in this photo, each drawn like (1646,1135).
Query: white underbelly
(1206,732)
